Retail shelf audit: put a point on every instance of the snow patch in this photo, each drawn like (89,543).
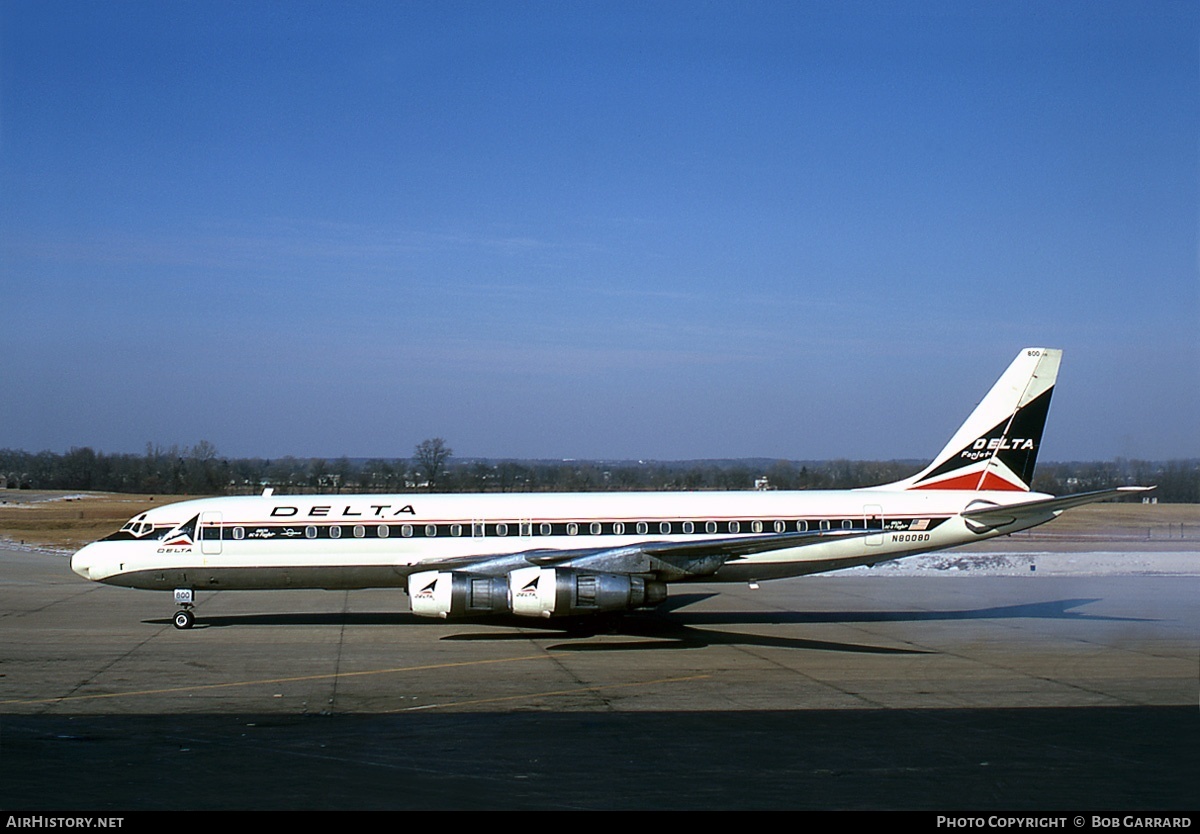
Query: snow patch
(1098,563)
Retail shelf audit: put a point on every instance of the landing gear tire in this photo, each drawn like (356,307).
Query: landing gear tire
(184,619)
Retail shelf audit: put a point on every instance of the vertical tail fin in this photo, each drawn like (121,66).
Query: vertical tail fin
(997,447)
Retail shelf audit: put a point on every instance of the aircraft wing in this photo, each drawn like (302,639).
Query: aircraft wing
(1000,516)
(667,560)
(735,548)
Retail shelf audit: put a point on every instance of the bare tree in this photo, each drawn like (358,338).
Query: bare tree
(430,458)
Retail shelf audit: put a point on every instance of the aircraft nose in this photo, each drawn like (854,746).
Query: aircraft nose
(81,562)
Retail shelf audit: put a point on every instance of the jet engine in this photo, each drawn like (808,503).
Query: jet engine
(457,594)
(568,592)
(530,592)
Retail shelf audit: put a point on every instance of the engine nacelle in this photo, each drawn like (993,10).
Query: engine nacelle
(456,594)
(566,592)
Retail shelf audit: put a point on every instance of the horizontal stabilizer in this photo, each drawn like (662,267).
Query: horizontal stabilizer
(994,516)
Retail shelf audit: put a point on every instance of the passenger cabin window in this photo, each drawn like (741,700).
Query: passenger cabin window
(596,528)
(710,527)
(430,531)
(456,529)
(688,527)
(359,531)
(642,528)
(382,531)
(239,533)
(501,529)
(618,528)
(572,528)
(755,526)
(335,532)
(310,532)
(735,527)
(406,530)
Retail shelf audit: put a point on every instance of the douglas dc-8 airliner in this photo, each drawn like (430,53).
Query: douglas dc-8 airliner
(566,555)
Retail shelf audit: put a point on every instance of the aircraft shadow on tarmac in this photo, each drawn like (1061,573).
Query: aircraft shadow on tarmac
(676,629)
(669,627)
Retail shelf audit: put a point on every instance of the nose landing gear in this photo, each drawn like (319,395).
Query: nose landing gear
(185,599)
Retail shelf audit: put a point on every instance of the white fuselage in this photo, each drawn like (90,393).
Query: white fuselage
(358,541)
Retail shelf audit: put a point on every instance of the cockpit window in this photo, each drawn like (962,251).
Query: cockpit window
(138,527)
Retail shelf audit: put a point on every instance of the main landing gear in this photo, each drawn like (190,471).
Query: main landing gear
(185,599)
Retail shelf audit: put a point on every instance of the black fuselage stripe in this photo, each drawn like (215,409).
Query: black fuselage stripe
(524,529)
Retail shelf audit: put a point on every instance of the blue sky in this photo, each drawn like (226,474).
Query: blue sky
(574,229)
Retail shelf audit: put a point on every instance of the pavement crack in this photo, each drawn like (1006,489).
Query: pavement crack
(556,660)
(96,674)
(341,645)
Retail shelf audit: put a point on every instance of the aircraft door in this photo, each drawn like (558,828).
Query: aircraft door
(873,520)
(210,533)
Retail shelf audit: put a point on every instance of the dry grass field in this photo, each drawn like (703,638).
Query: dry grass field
(69,520)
